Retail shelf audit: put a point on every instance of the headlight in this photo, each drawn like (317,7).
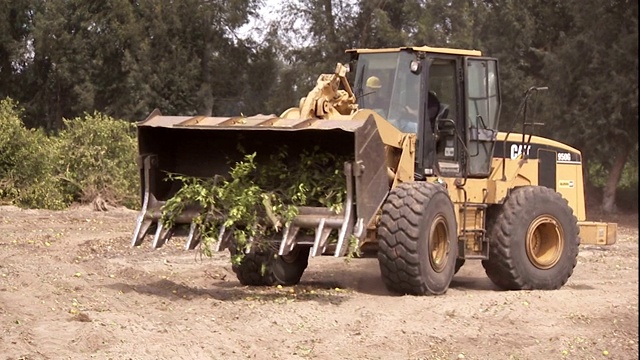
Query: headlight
(415,66)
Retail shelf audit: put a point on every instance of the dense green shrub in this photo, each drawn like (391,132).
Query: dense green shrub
(99,160)
(27,163)
(94,156)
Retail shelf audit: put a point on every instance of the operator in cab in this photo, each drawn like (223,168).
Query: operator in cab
(375,97)
(408,110)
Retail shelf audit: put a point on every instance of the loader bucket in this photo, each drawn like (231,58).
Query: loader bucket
(206,146)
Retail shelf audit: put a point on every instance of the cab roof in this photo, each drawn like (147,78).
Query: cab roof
(428,49)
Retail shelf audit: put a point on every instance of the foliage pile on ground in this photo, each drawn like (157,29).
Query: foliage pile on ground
(258,198)
(92,156)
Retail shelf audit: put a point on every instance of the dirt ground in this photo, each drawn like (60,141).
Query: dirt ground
(71,287)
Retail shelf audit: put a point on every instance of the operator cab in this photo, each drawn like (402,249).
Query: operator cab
(449,98)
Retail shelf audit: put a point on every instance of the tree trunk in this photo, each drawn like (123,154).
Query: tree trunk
(327,8)
(609,193)
(205,95)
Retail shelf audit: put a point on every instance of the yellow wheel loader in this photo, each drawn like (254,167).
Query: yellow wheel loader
(430,180)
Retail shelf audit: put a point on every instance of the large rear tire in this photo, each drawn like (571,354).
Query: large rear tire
(534,241)
(264,267)
(417,239)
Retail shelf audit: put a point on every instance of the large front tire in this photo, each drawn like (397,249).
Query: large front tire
(264,267)
(417,239)
(534,241)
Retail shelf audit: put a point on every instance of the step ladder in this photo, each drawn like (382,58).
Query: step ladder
(472,239)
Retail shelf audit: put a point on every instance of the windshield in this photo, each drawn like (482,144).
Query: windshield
(385,84)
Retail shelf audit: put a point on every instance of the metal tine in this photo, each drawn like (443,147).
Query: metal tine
(194,237)
(320,242)
(161,236)
(288,235)
(156,237)
(142,223)
(142,229)
(342,246)
(317,240)
(348,214)
(221,239)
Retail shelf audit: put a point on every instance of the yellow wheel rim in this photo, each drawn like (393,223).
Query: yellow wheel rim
(545,242)
(439,244)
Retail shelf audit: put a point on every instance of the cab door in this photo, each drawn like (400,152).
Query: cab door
(483,102)
(443,115)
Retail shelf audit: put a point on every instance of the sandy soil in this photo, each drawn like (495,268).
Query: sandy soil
(72,288)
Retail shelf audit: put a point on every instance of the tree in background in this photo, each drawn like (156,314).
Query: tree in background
(62,58)
(85,58)
(15,48)
(308,39)
(593,78)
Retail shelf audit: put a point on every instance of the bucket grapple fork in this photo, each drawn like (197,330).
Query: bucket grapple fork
(322,221)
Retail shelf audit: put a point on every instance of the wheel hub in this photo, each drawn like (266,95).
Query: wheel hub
(544,242)
(439,244)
